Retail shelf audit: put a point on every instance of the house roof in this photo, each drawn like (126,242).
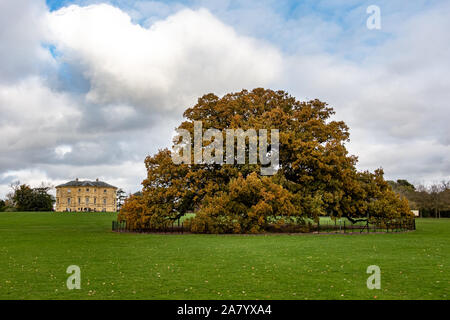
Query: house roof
(86,183)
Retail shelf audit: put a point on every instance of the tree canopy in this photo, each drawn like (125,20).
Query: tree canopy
(26,198)
(316,176)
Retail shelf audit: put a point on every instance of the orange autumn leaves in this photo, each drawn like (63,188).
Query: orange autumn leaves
(316,175)
(248,206)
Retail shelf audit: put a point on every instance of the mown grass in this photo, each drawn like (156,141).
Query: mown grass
(36,249)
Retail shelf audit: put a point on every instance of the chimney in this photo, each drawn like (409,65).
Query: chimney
(76,179)
(96,179)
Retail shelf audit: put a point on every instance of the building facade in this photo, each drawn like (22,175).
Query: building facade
(97,196)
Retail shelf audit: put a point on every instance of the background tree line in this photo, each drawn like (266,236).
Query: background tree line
(25,198)
(431,201)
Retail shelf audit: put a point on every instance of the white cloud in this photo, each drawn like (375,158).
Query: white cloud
(164,67)
(34,116)
(62,150)
(22,30)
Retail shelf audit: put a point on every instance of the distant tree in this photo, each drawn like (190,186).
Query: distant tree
(439,194)
(26,198)
(23,198)
(121,196)
(43,201)
(2,205)
(406,184)
(430,200)
(14,186)
(446,196)
(435,191)
(422,199)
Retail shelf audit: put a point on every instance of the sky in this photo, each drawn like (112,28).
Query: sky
(89,88)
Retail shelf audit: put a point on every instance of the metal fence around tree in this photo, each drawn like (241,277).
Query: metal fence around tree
(173,227)
(346,226)
(325,226)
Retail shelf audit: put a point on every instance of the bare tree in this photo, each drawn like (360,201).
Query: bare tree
(439,197)
(445,195)
(15,185)
(121,196)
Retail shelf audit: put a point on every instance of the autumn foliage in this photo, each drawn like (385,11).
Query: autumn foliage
(316,175)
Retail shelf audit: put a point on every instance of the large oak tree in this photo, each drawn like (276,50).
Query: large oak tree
(316,175)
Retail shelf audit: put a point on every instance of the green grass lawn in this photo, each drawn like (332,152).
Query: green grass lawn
(36,249)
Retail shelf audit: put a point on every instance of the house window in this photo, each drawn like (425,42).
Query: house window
(68,190)
(79,190)
(87,200)
(104,191)
(104,201)
(68,201)
(79,200)
(87,190)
